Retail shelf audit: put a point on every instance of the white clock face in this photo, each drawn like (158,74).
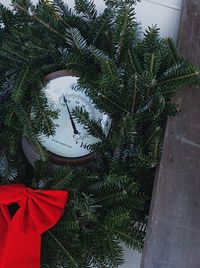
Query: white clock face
(71,139)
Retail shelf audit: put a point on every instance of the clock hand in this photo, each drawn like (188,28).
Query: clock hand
(70,116)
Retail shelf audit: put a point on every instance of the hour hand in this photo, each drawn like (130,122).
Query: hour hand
(70,116)
(65,100)
(76,131)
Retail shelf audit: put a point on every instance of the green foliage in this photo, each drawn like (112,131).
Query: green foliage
(74,39)
(119,3)
(7,170)
(86,8)
(94,128)
(130,79)
(91,229)
(124,30)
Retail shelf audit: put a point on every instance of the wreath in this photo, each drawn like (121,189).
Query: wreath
(130,78)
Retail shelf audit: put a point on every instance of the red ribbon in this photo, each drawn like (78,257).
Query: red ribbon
(20,235)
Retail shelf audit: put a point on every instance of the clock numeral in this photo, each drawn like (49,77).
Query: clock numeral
(100,122)
(75,87)
(86,94)
(85,146)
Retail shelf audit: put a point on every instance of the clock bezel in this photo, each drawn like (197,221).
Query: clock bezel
(56,160)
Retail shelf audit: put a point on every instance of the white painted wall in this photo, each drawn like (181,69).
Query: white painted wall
(164,13)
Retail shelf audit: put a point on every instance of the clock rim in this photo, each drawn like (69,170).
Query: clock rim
(60,73)
(70,160)
(51,157)
(32,155)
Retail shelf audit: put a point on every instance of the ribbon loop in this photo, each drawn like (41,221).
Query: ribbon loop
(20,235)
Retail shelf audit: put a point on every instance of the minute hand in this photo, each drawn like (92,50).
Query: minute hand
(70,116)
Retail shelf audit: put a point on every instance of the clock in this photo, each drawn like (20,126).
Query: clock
(71,142)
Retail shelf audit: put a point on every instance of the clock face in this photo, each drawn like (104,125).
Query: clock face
(71,139)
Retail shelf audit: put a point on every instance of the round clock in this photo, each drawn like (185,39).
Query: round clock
(71,142)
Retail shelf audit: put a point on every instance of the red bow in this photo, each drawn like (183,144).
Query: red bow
(20,235)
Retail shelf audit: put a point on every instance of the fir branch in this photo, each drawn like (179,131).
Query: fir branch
(134,93)
(129,238)
(74,39)
(18,92)
(108,66)
(119,3)
(112,102)
(86,8)
(152,41)
(92,126)
(44,114)
(7,171)
(113,197)
(124,30)
(28,130)
(113,254)
(63,249)
(17,54)
(170,52)
(179,78)
(14,62)
(152,62)
(35,17)
(62,178)
(117,217)
(131,60)
(61,8)
(107,17)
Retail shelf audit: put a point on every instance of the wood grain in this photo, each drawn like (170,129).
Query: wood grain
(173,235)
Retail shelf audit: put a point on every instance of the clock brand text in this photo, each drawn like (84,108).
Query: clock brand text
(62,143)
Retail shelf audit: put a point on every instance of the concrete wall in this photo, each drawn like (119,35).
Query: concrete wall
(166,14)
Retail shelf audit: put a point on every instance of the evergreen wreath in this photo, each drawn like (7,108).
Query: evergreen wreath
(132,79)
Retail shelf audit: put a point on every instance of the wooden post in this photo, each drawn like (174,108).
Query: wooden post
(173,234)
